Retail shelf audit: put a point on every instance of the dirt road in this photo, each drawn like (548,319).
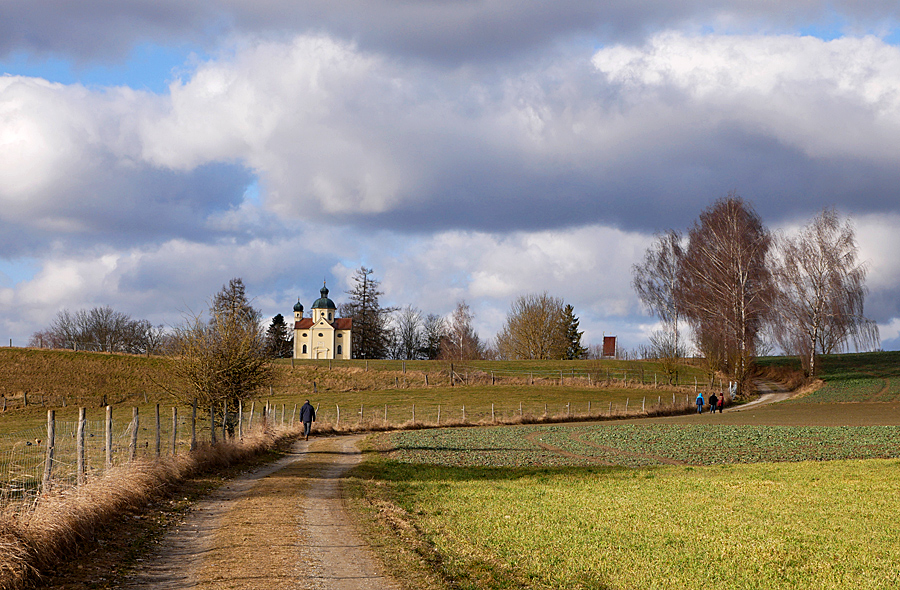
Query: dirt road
(283,527)
(769,393)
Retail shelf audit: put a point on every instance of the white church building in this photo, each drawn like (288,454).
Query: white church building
(324,335)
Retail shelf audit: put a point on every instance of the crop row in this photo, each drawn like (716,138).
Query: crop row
(642,445)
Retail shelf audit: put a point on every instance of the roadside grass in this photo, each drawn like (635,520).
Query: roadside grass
(66,523)
(765,525)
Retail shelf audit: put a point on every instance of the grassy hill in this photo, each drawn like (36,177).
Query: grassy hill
(857,377)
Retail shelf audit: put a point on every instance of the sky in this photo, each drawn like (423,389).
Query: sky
(476,150)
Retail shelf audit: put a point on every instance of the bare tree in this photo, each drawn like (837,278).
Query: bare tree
(222,360)
(99,329)
(408,334)
(724,286)
(666,348)
(461,342)
(434,331)
(821,291)
(535,328)
(655,280)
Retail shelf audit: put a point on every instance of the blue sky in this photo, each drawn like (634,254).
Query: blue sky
(152,150)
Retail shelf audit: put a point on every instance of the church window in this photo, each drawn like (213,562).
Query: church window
(320,334)
(304,349)
(339,349)
(340,335)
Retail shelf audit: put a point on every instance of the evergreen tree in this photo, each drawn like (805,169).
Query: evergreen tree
(279,342)
(574,349)
(371,334)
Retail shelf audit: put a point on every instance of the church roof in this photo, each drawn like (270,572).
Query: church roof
(323,302)
(337,324)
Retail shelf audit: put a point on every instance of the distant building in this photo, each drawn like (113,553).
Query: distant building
(609,347)
(324,335)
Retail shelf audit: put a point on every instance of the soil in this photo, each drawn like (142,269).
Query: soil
(281,527)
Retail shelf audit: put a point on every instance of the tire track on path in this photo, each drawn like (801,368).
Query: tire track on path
(281,527)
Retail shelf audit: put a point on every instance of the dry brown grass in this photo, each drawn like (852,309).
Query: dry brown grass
(791,378)
(59,524)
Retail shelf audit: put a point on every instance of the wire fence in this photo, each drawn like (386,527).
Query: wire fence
(69,451)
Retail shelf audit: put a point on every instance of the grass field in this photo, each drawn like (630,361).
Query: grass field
(793,495)
(872,377)
(763,525)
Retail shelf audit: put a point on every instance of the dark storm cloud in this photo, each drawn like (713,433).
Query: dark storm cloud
(446,31)
(127,206)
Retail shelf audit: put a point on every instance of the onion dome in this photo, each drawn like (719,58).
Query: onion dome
(323,302)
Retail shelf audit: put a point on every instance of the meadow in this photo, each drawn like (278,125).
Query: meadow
(802,494)
(349,396)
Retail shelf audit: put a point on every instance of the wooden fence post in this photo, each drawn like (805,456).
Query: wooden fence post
(174,429)
(464,413)
(224,420)
(492,412)
(194,424)
(250,420)
(135,424)
(338,421)
(414,413)
(240,420)
(158,433)
(108,437)
(212,423)
(79,444)
(51,444)
(439,415)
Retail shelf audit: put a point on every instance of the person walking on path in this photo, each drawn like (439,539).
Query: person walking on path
(307,416)
(721,403)
(700,403)
(713,402)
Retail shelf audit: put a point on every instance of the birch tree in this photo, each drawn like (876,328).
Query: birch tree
(724,286)
(655,280)
(820,286)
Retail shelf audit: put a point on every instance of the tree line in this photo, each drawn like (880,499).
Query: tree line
(741,288)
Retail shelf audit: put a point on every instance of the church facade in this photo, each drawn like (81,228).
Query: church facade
(324,335)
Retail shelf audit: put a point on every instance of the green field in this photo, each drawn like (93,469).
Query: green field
(801,494)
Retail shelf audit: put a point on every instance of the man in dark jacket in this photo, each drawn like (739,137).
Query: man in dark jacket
(307,416)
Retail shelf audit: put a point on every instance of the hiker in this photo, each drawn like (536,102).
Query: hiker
(721,403)
(700,403)
(713,402)
(307,416)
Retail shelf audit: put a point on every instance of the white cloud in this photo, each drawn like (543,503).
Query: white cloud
(827,98)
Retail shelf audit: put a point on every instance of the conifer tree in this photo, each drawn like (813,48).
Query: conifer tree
(574,349)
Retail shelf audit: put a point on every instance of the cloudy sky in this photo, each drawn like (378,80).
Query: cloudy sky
(476,150)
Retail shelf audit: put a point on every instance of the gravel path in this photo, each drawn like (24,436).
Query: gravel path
(281,527)
(769,393)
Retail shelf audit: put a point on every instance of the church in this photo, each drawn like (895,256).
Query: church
(324,335)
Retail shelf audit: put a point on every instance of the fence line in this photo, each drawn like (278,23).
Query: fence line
(67,452)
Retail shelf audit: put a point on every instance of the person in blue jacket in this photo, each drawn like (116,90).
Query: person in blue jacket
(700,403)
